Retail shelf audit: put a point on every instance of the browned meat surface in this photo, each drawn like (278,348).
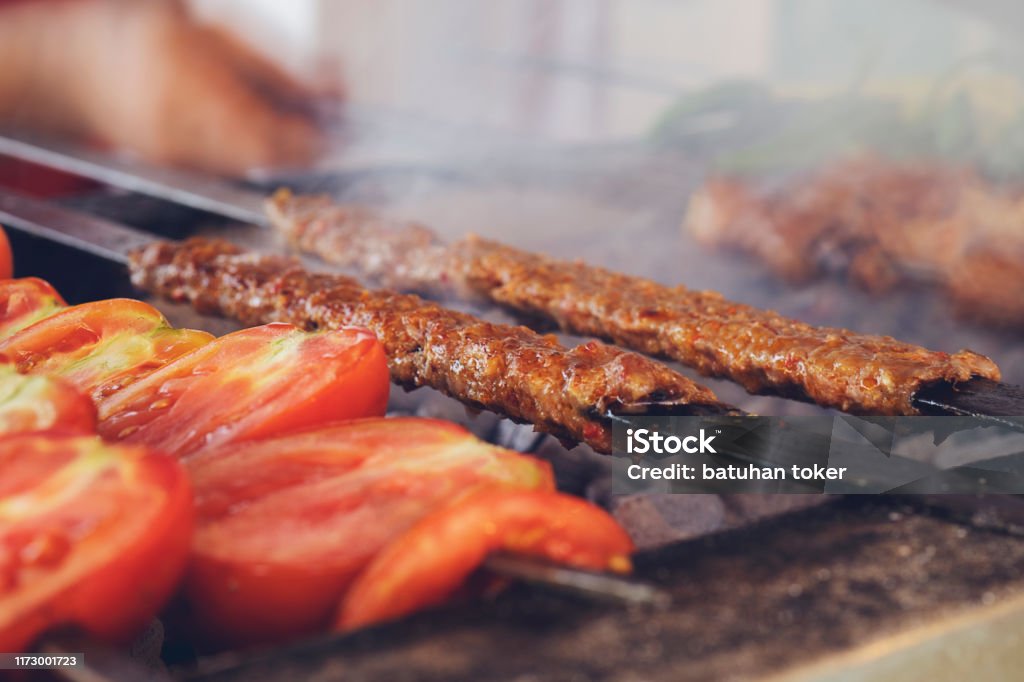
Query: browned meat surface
(395,254)
(761,350)
(882,225)
(510,370)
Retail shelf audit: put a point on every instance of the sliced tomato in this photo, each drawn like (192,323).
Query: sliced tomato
(427,564)
(253,383)
(100,347)
(284,525)
(6,257)
(25,301)
(42,403)
(90,534)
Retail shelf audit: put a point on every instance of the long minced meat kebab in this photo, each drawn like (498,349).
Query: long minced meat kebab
(761,350)
(510,370)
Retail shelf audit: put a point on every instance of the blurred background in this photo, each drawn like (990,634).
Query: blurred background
(606,71)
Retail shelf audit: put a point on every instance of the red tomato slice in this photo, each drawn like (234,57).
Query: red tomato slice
(253,383)
(284,525)
(25,301)
(42,403)
(100,347)
(6,257)
(427,564)
(90,534)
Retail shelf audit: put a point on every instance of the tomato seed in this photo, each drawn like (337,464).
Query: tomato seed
(45,550)
(124,433)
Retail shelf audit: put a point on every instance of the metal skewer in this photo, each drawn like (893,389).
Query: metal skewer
(979,397)
(205,193)
(590,584)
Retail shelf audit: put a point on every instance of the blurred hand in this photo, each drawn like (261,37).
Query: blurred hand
(145,77)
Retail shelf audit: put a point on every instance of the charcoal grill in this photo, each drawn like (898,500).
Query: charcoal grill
(838,589)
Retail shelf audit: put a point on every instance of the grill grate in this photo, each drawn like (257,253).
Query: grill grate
(747,599)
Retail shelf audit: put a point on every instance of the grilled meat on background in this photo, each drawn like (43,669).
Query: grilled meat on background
(510,370)
(761,350)
(881,224)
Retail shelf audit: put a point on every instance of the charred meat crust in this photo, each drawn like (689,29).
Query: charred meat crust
(509,370)
(761,350)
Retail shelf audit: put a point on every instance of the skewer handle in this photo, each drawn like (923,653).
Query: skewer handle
(1002,404)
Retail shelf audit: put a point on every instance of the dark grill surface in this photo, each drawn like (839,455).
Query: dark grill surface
(749,599)
(746,604)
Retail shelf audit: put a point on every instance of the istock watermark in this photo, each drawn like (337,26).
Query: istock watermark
(840,455)
(644,441)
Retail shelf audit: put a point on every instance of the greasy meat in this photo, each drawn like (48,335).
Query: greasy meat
(881,224)
(510,370)
(761,350)
(395,254)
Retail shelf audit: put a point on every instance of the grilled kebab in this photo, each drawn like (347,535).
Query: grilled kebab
(880,224)
(761,350)
(510,370)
